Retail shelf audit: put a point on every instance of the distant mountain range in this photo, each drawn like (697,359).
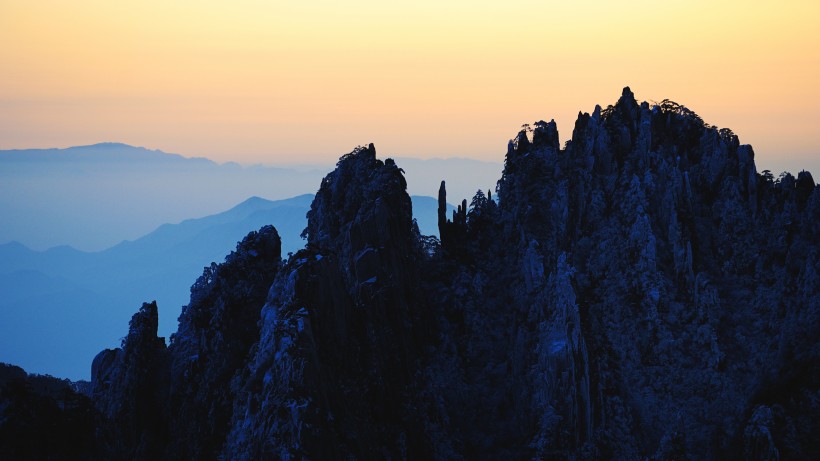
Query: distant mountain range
(93,197)
(59,307)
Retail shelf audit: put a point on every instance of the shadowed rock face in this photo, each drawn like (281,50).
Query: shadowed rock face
(42,417)
(216,331)
(341,331)
(660,289)
(176,402)
(641,293)
(129,388)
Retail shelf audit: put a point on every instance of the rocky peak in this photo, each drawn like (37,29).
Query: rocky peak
(545,135)
(362,189)
(627,102)
(340,330)
(216,331)
(129,387)
(139,347)
(142,330)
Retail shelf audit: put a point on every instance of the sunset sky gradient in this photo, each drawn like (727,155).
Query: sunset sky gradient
(303,82)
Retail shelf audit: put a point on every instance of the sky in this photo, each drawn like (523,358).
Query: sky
(281,82)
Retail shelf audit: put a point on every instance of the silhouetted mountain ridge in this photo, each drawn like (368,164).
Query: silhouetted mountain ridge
(640,293)
(100,152)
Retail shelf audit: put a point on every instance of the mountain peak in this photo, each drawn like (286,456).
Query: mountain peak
(359,182)
(253,202)
(107,145)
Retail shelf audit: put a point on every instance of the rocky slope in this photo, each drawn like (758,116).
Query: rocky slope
(640,293)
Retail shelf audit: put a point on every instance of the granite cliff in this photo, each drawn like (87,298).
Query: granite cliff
(640,293)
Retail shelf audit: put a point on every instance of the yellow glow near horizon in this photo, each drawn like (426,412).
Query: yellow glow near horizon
(291,82)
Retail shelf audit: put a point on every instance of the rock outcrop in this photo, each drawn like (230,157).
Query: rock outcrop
(340,340)
(129,386)
(176,402)
(216,332)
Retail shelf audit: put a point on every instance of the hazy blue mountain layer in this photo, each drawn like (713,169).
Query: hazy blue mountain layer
(93,197)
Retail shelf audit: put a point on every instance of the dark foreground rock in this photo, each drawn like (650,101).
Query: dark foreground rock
(42,417)
(641,293)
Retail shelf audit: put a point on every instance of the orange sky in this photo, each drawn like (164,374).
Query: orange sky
(304,82)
